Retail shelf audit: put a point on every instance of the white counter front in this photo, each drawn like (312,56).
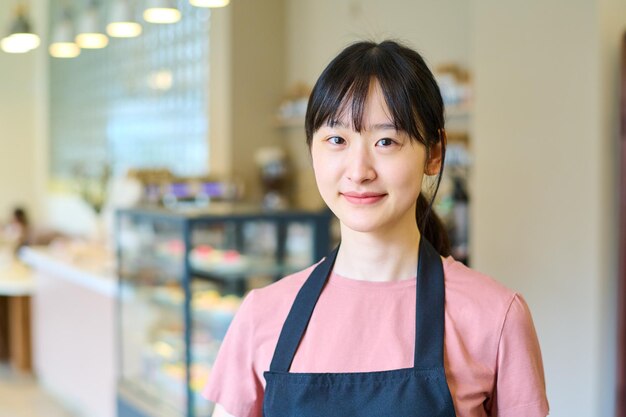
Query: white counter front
(73,320)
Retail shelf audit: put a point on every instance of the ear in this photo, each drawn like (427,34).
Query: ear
(433,164)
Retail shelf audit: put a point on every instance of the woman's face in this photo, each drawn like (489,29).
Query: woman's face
(370,180)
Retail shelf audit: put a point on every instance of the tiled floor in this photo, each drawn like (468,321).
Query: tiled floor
(20,396)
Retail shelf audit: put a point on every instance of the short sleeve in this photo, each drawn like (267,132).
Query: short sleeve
(520,389)
(232,382)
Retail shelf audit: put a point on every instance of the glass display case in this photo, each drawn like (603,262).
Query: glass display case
(181,280)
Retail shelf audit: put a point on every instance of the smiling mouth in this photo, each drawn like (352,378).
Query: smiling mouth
(363,199)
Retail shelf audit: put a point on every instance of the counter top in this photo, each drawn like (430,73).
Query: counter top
(16,280)
(84,264)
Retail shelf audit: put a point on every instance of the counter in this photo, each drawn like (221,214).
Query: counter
(73,324)
(16,287)
(16,280)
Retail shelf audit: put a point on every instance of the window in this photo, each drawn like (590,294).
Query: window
(139,102)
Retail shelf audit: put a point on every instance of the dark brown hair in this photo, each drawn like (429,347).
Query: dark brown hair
(412,96)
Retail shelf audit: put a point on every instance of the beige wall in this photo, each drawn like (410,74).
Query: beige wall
(318,30)
(257,80)
(612,22)
(22,120)
(220,102)
(543,211)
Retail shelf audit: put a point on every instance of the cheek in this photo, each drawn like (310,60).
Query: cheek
(325,164)
(323,171)
(316,161)
(406,179)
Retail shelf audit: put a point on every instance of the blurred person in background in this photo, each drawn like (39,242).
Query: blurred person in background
(17,232)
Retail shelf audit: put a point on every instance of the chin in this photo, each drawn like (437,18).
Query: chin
(361,224)
(361,228)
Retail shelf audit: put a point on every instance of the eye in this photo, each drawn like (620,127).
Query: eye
(385,142)
(336,140)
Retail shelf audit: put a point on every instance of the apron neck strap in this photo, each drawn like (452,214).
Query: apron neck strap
(429,323)
(300,314)
(429,308)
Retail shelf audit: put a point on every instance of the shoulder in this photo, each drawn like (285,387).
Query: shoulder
(469,289)
(251,340)
(477,307)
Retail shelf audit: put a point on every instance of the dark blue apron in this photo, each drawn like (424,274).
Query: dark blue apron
(421,391)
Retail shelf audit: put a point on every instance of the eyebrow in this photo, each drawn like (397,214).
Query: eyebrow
(377,126)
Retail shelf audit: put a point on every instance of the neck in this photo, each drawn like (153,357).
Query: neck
(386,255)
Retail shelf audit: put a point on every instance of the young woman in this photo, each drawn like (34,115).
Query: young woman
(388,324)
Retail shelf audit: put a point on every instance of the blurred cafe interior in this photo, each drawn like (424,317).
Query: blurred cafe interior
(153,169)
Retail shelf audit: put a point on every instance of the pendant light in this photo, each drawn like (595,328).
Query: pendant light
(122,23)
(161,11)
(21,37)
(209,3)
(90,34)
(63,45)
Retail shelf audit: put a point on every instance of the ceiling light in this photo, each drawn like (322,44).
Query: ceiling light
(209,3)
(90,34)
(63,45)
(121,23)
(160,80)
(21,37)
(161,11)
(64,50)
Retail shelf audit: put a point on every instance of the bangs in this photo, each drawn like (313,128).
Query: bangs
(343,88)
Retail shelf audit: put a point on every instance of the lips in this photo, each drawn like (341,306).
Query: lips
(363,198)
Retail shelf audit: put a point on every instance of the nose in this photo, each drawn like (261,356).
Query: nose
(360,167)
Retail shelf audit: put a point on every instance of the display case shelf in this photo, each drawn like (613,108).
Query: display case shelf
(182,276)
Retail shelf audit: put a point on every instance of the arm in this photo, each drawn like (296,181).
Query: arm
(520,389)
(233,384)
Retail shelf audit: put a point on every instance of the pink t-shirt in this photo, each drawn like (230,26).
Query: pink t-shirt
(492,358)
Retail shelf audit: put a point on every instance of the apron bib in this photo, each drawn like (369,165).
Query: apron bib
(420,391)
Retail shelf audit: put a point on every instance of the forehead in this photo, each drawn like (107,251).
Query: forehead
(368,112)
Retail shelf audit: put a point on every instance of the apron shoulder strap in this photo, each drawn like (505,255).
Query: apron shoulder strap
(300,315)
(429,308)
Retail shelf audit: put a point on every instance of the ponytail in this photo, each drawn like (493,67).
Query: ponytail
(431,227)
